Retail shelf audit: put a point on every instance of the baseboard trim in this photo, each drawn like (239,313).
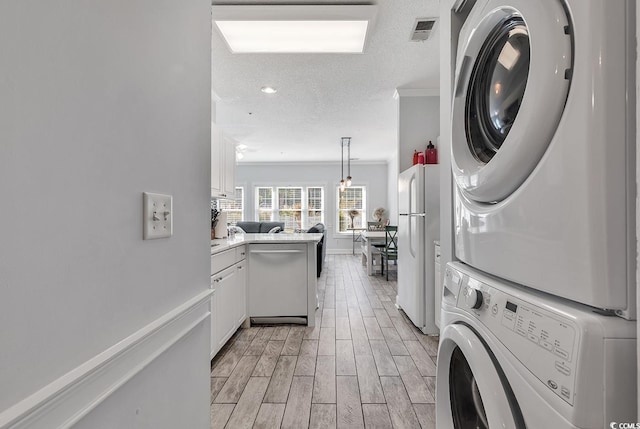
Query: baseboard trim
(68,399)
(340,252)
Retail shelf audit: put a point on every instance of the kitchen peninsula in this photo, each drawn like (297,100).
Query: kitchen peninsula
(267,278)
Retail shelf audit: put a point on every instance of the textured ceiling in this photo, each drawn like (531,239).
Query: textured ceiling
(322,97)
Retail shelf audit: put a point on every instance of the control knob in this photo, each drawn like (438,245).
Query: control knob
(473,298)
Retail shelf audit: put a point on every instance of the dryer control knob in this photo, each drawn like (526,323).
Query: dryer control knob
(473,298)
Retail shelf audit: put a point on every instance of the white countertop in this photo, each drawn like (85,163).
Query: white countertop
(223,244)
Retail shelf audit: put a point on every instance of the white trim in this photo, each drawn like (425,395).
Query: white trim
(416,92)
(340,251)
(68,399)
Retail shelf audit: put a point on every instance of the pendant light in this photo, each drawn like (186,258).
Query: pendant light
(348,139)
(342,182)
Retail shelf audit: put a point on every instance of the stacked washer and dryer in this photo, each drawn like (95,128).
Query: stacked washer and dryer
(539,313)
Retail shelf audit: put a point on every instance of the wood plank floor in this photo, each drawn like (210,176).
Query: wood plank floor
(363,365)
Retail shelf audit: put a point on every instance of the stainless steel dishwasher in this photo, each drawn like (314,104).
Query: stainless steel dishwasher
(278,276)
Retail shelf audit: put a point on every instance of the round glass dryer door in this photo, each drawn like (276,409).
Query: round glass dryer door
(512,80)
(470,392)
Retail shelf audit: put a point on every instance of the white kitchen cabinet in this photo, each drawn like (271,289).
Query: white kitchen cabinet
(216,160)
(229,170)
(229,301)
(223,164)
(241,293)
(241,286)
(225,286)
(213,308)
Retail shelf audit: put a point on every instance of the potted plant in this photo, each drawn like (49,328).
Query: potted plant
(214,220)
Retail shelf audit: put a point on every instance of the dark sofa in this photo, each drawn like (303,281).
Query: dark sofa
(321,249)
(259,227)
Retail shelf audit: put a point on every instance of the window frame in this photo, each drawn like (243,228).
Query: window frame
(242,204)
(337,231)
(304,209)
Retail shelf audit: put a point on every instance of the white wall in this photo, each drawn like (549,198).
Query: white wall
(374,176)
(392,191)
(418,123)
(102,100)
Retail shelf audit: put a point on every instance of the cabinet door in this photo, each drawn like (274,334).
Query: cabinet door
(241,292)
(217,160)
(229,181)
(213,308)
(438,293)
(224,283)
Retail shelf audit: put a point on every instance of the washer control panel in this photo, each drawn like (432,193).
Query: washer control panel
(544,341)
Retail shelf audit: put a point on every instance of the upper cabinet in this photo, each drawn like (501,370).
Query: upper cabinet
(229,170)
(223,164)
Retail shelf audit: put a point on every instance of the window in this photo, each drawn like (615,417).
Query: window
(315,206)
(298,207)
(264,197)
(290,207)
(234,207)
(351,202)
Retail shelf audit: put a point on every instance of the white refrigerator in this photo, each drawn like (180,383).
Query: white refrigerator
(418,228)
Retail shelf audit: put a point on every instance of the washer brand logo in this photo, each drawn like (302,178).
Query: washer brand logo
(614,425)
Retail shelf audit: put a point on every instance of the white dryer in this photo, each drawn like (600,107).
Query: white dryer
(543,147)
(515,358)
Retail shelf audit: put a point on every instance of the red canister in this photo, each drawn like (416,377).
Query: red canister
(415,157)
(420,158)
(431,154)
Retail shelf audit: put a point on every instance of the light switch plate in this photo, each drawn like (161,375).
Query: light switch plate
(158,216)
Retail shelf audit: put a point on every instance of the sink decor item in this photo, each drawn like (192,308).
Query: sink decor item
(352,214)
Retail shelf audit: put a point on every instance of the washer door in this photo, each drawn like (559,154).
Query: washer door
(512,79)
(470,392)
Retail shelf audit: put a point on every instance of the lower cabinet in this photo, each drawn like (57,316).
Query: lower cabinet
(228,302)
(226,290)
(241,290)
(213,308)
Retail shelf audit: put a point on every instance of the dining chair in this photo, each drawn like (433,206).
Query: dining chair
(376,248)
(390,250)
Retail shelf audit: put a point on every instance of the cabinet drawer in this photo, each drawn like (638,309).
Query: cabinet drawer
(222,260)
(241,253)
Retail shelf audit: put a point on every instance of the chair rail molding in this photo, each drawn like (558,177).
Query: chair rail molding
(68,399)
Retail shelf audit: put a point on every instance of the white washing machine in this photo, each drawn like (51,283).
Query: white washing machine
(515,358)
(543,147)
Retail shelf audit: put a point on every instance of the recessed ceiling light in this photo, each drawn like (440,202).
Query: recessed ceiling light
(268,90)
(294,28)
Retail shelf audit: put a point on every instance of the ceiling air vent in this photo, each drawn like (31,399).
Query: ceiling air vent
(422,29)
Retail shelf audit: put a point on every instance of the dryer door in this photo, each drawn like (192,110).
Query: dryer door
(513,72)
(471,392)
